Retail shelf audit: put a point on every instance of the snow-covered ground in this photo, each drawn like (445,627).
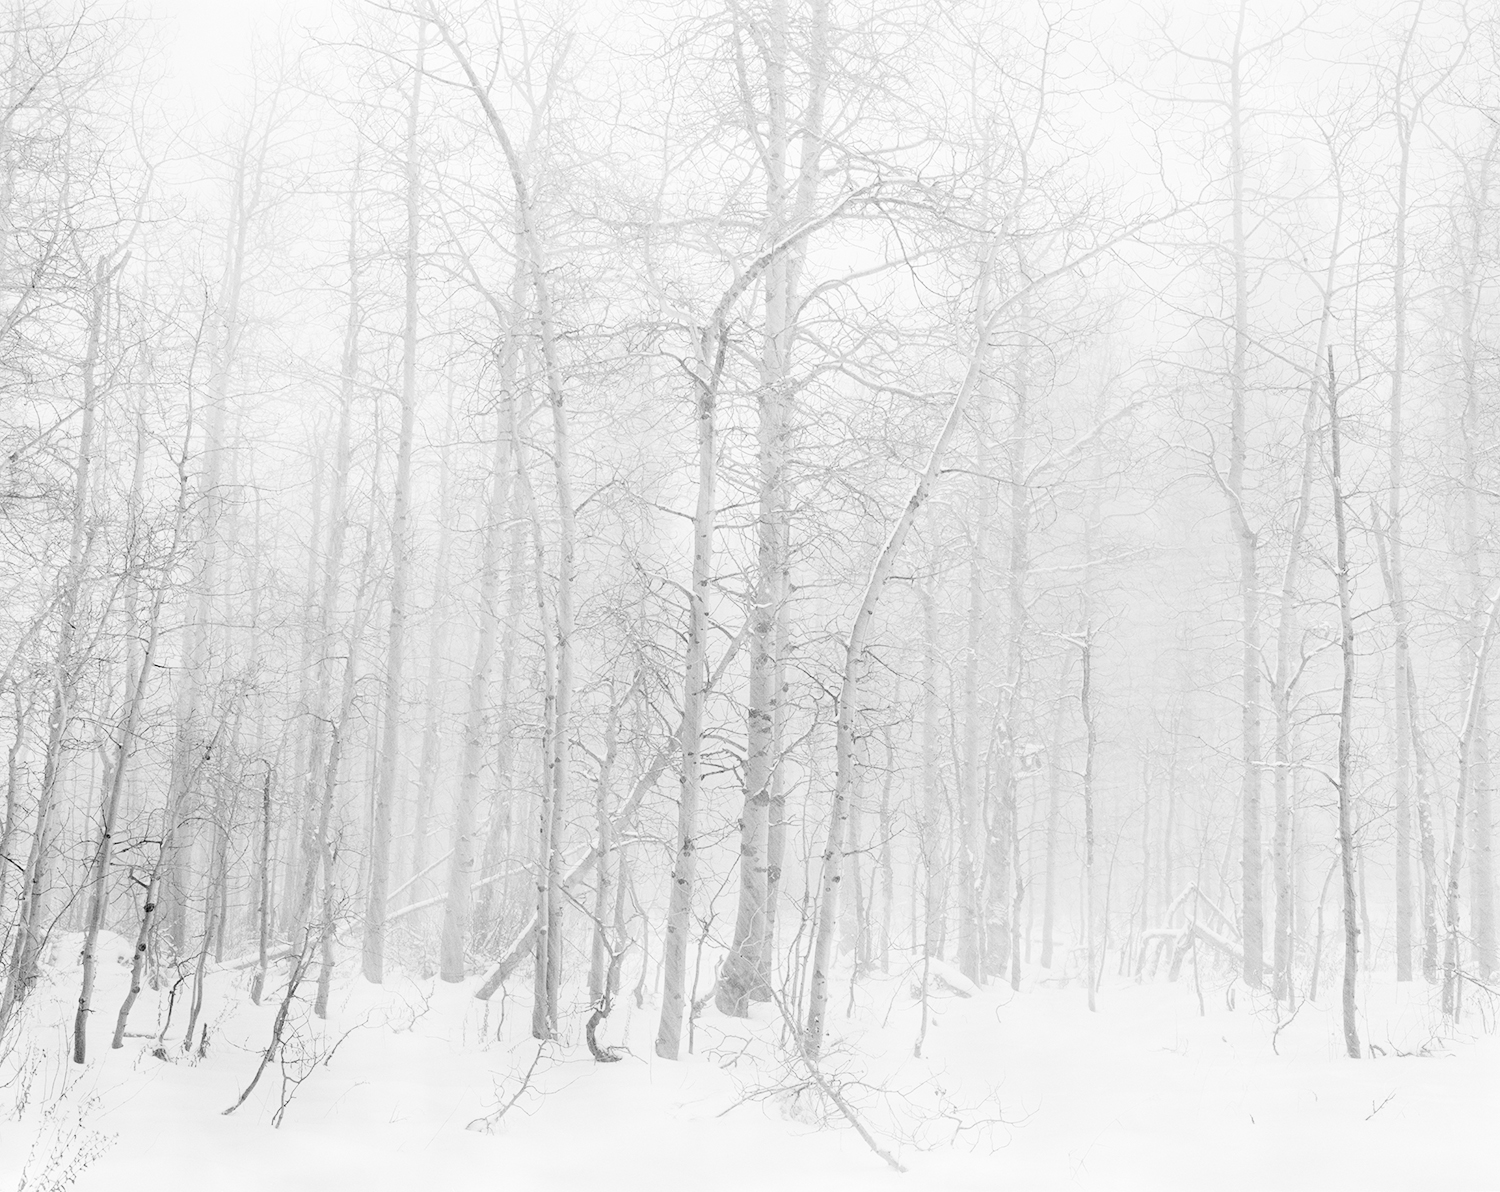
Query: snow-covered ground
(1013,1091)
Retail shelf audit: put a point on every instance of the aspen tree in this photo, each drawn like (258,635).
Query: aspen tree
(1287,671)
(458,909)
(1407,120)
(1452,975)
(1478,183)
(560,654)
(745,970)
(138,676)
(1346,718)
(373,950)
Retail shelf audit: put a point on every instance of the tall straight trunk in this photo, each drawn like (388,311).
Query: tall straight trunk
(776,826)
(1481,874)
(458,909)
(1346,721)
(1399,611)
(313,845)
(263,889)
(886,865)
(981,909)
(933,836)
(307,740)
(199,639)
(546,870)
(1451,958)
(373,951)
(743,977)
(1287,666)
(1147,824)
(694,692)
(1167,870)
(430,765)
(1019,565)
(1252,924)
(601,965)
(856,922)
(1054,808)
(498,842)
(560,685)
(1427,845)
(1090,739)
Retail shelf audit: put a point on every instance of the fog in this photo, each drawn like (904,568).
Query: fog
(874,567)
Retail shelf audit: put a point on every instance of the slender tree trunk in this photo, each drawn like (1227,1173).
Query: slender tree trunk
(980,936)
(263,901)
(1346,723)
(1252,928)
(373,951)
(458,911)
(22,971)
(139,677)
(1395,535)
(315,824)
(1451,958)
(1054,807)
(933,837)
(432,731)
(1286,633)
(1481,874)
(833,851)
(695,686)
(1086,710)
(603,972)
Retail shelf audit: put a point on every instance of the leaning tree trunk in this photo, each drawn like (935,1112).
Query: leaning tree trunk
(833,852)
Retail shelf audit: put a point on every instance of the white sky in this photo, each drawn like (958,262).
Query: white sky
(208,43)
